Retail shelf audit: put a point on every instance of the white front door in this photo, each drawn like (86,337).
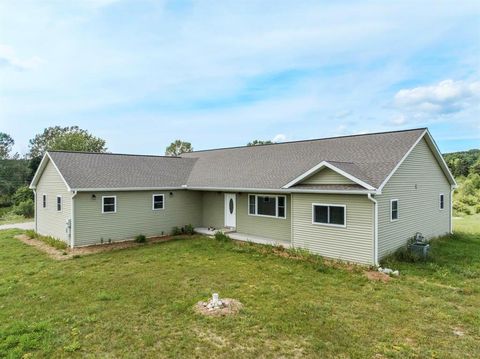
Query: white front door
(230,210)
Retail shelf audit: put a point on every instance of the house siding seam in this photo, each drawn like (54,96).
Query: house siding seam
(327,176)
(418,207)
(355,243)
(269,227)
(49,221)
(134,215)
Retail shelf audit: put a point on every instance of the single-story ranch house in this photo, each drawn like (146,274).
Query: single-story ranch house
(355,198)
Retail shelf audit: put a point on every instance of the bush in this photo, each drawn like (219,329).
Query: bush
(189,229)
(22,194)
(25,208)
(477,208)
(176,231)
(220,236)
(460,208)
(140,238)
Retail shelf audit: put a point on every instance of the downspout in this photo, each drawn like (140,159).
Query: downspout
(35,208)
(72,224)
(375,229)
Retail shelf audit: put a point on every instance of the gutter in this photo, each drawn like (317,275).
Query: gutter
(375,229)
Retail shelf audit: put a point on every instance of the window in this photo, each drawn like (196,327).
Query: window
(329,215)
(157,202)
(442,201)
(59,203)
(109,204)
(393,209)
(44,201)
(267,205)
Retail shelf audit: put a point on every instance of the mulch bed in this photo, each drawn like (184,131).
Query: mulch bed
(63,254)
(378,276)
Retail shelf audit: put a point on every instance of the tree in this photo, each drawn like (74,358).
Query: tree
(259,143)
(6,144)
(178,147)
(70,138)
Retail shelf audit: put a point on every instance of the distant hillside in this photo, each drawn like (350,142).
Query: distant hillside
(465,166)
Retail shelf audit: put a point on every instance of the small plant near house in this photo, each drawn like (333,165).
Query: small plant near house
(141,238)
(176,231)
(188,229)
(220,236)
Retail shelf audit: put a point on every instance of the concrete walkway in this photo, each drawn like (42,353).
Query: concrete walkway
(26,225)
(245,237)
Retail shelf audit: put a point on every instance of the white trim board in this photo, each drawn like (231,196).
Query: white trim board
(320,166)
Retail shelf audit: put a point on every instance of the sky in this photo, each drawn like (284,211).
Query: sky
(141,74)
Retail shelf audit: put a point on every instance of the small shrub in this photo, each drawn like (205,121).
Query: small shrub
(31,233)
(220,236)
(189,229)
(176,231)
(25,208)
(140,238)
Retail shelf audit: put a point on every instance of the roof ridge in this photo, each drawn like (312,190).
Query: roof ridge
(314,139)
(114,154)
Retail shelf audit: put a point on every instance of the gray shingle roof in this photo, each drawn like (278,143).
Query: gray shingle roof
(93,170)
(370,158)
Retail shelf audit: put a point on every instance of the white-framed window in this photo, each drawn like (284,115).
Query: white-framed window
(109,204)
(334,215)
(441,201)
(394,210)
(59,203)
(44,200)
(158,202)
(266,205)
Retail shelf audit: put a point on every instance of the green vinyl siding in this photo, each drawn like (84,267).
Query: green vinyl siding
(49,221)
(134,215)
(327,176)
(354,243)
(269,227)
(213,213)
(417,185)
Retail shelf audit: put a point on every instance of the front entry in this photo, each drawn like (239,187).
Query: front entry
(230,210)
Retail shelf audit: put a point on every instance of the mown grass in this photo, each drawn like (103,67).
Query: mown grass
(138,302)
(467,224)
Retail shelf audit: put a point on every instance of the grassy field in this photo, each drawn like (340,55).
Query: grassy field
(138,302)
(468,224)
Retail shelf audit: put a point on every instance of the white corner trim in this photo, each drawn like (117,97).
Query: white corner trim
(72,224)
(41,168)
(333,168)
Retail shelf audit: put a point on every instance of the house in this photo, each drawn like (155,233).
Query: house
(355,198)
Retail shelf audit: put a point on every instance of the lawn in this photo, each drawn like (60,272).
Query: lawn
(138,303)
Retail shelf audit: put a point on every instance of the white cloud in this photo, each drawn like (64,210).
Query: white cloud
(279,138)
(447,96)
(398,120)
(10,59)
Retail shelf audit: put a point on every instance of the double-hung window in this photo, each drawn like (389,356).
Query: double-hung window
(44,201)
(109,204)
(59,203)
(267,205)
(393,210)
(158,202)
(329,214)
(442,201)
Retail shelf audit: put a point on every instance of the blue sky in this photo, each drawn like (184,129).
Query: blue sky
(221,73)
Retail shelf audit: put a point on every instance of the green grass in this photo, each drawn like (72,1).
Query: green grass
(138,302)
(468,224)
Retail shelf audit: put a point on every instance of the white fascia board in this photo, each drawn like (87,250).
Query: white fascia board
(41,168)
(438,155)
(322,164)
(402,160)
